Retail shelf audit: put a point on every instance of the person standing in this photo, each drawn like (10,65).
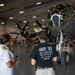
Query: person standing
(43,55)
(7,59)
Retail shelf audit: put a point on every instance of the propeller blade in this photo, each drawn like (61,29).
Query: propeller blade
(18,26)
(17,36)
(14,33)
(39,24)
(25,26)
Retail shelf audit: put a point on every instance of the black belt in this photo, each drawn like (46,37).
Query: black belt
(43,67)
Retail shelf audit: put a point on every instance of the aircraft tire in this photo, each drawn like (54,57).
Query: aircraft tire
(65,58)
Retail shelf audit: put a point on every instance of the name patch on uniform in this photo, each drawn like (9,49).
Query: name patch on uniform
(3,47)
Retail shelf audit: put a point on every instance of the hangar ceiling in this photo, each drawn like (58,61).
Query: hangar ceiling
(22,11)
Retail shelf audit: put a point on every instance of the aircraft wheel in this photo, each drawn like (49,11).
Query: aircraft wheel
(65,58)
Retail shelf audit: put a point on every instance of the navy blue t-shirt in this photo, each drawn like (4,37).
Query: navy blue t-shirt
(43,54)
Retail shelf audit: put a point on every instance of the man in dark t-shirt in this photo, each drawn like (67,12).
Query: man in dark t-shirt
(43,55)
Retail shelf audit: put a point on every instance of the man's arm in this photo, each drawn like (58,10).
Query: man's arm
(33,61)
(54,58)
(11,63)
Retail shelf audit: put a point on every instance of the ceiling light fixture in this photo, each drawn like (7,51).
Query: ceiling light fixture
(26,27)
(1,5)
(34,17)
(24,21)
(16,25)
(34,24)
(38,3)
(43,20)
(21,12)
(2,22)
(11,18)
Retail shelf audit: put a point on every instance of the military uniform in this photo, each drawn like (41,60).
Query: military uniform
(5,56)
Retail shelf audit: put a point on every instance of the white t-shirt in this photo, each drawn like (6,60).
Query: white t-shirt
(5,56)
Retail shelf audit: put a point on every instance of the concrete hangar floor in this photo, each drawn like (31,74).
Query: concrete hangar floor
(24,67)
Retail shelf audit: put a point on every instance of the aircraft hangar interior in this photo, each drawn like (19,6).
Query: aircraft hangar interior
(24,19)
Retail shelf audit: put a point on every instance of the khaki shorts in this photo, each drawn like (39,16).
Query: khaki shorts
(48,71)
